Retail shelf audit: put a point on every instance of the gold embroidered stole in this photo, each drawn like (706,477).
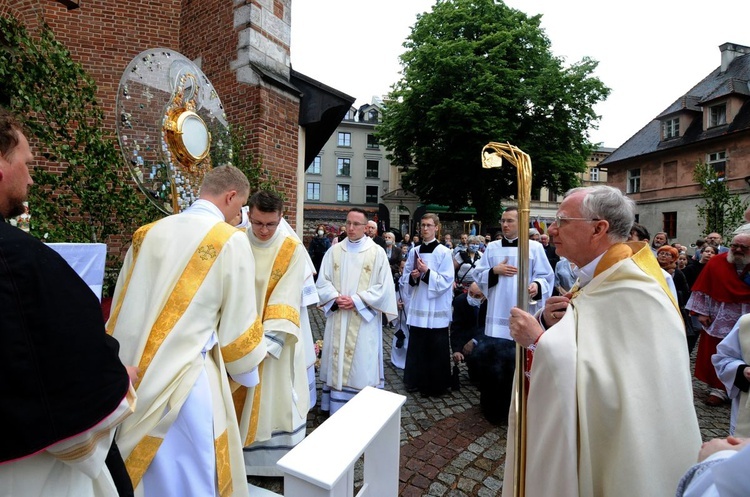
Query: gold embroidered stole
(355,319)
(642,257)
(187,285)
(138,237)
(276,311)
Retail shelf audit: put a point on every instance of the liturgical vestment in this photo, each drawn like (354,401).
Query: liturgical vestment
(273,414)
(352,357)
(64,389)
(503,295)
(610,405)
(184,313)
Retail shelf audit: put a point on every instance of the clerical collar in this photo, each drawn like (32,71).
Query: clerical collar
(204,208)
(510,242)
(428,247)
(357,245)
(264,243)
(586,273)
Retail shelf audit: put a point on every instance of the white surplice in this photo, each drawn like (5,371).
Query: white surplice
(430,304)
(731,353)
(502,297)
(74,467)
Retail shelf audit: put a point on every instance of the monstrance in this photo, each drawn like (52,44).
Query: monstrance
(171,126)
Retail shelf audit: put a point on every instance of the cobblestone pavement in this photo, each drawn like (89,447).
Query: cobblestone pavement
(448,449)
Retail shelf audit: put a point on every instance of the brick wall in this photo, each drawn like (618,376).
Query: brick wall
(105,35)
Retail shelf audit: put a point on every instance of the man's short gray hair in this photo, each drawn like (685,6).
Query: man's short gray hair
(610,204)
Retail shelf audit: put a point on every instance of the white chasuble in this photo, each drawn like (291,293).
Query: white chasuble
(610,406)
(184,313)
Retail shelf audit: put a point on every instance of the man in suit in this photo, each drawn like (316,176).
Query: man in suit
(372,232)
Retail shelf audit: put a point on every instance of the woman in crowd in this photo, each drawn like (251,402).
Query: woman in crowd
(464,261)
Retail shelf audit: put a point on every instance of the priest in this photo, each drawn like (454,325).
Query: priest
(610,405)
(355,287)
(184,313)
(273,414)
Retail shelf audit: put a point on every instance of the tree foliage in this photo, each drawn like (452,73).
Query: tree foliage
(476,71)
(93,197)
(721,211)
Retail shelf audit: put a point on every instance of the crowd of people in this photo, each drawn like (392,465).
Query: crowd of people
(204,371)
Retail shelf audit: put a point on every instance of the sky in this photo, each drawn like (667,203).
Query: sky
(650,52)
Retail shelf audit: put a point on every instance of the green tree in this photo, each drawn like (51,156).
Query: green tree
(476,71)
(91,196)
(722,211)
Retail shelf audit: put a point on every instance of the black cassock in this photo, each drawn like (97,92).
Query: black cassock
(60,371)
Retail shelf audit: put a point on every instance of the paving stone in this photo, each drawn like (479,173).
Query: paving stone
(437,489)
(448,449)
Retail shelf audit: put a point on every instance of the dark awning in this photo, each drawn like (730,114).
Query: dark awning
(320,112)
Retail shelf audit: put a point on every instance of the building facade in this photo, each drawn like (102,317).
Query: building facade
(352,170)
(242,47)
(710,124)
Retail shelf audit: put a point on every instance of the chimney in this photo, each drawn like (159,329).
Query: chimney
(729,52)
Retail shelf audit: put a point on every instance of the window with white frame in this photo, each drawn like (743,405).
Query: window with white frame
(373,169)
(594,174)
(314,166)
(371,194)
(718,160)
(345,139)
(344,166)
(670,128)
(718,115)
(634,180)
(313,191)
(342,193)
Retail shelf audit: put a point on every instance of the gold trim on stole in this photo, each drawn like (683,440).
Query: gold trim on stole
(140,458)
(281,311)
(642,256)
(184,290)
(243,345)
(252,430)
(280,267)
(355,322)
(223,465)
(138,237)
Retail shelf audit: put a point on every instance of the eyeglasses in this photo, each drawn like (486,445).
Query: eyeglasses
(268,226)
(427,225)
(354,224)
(735,246)
(561,220)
